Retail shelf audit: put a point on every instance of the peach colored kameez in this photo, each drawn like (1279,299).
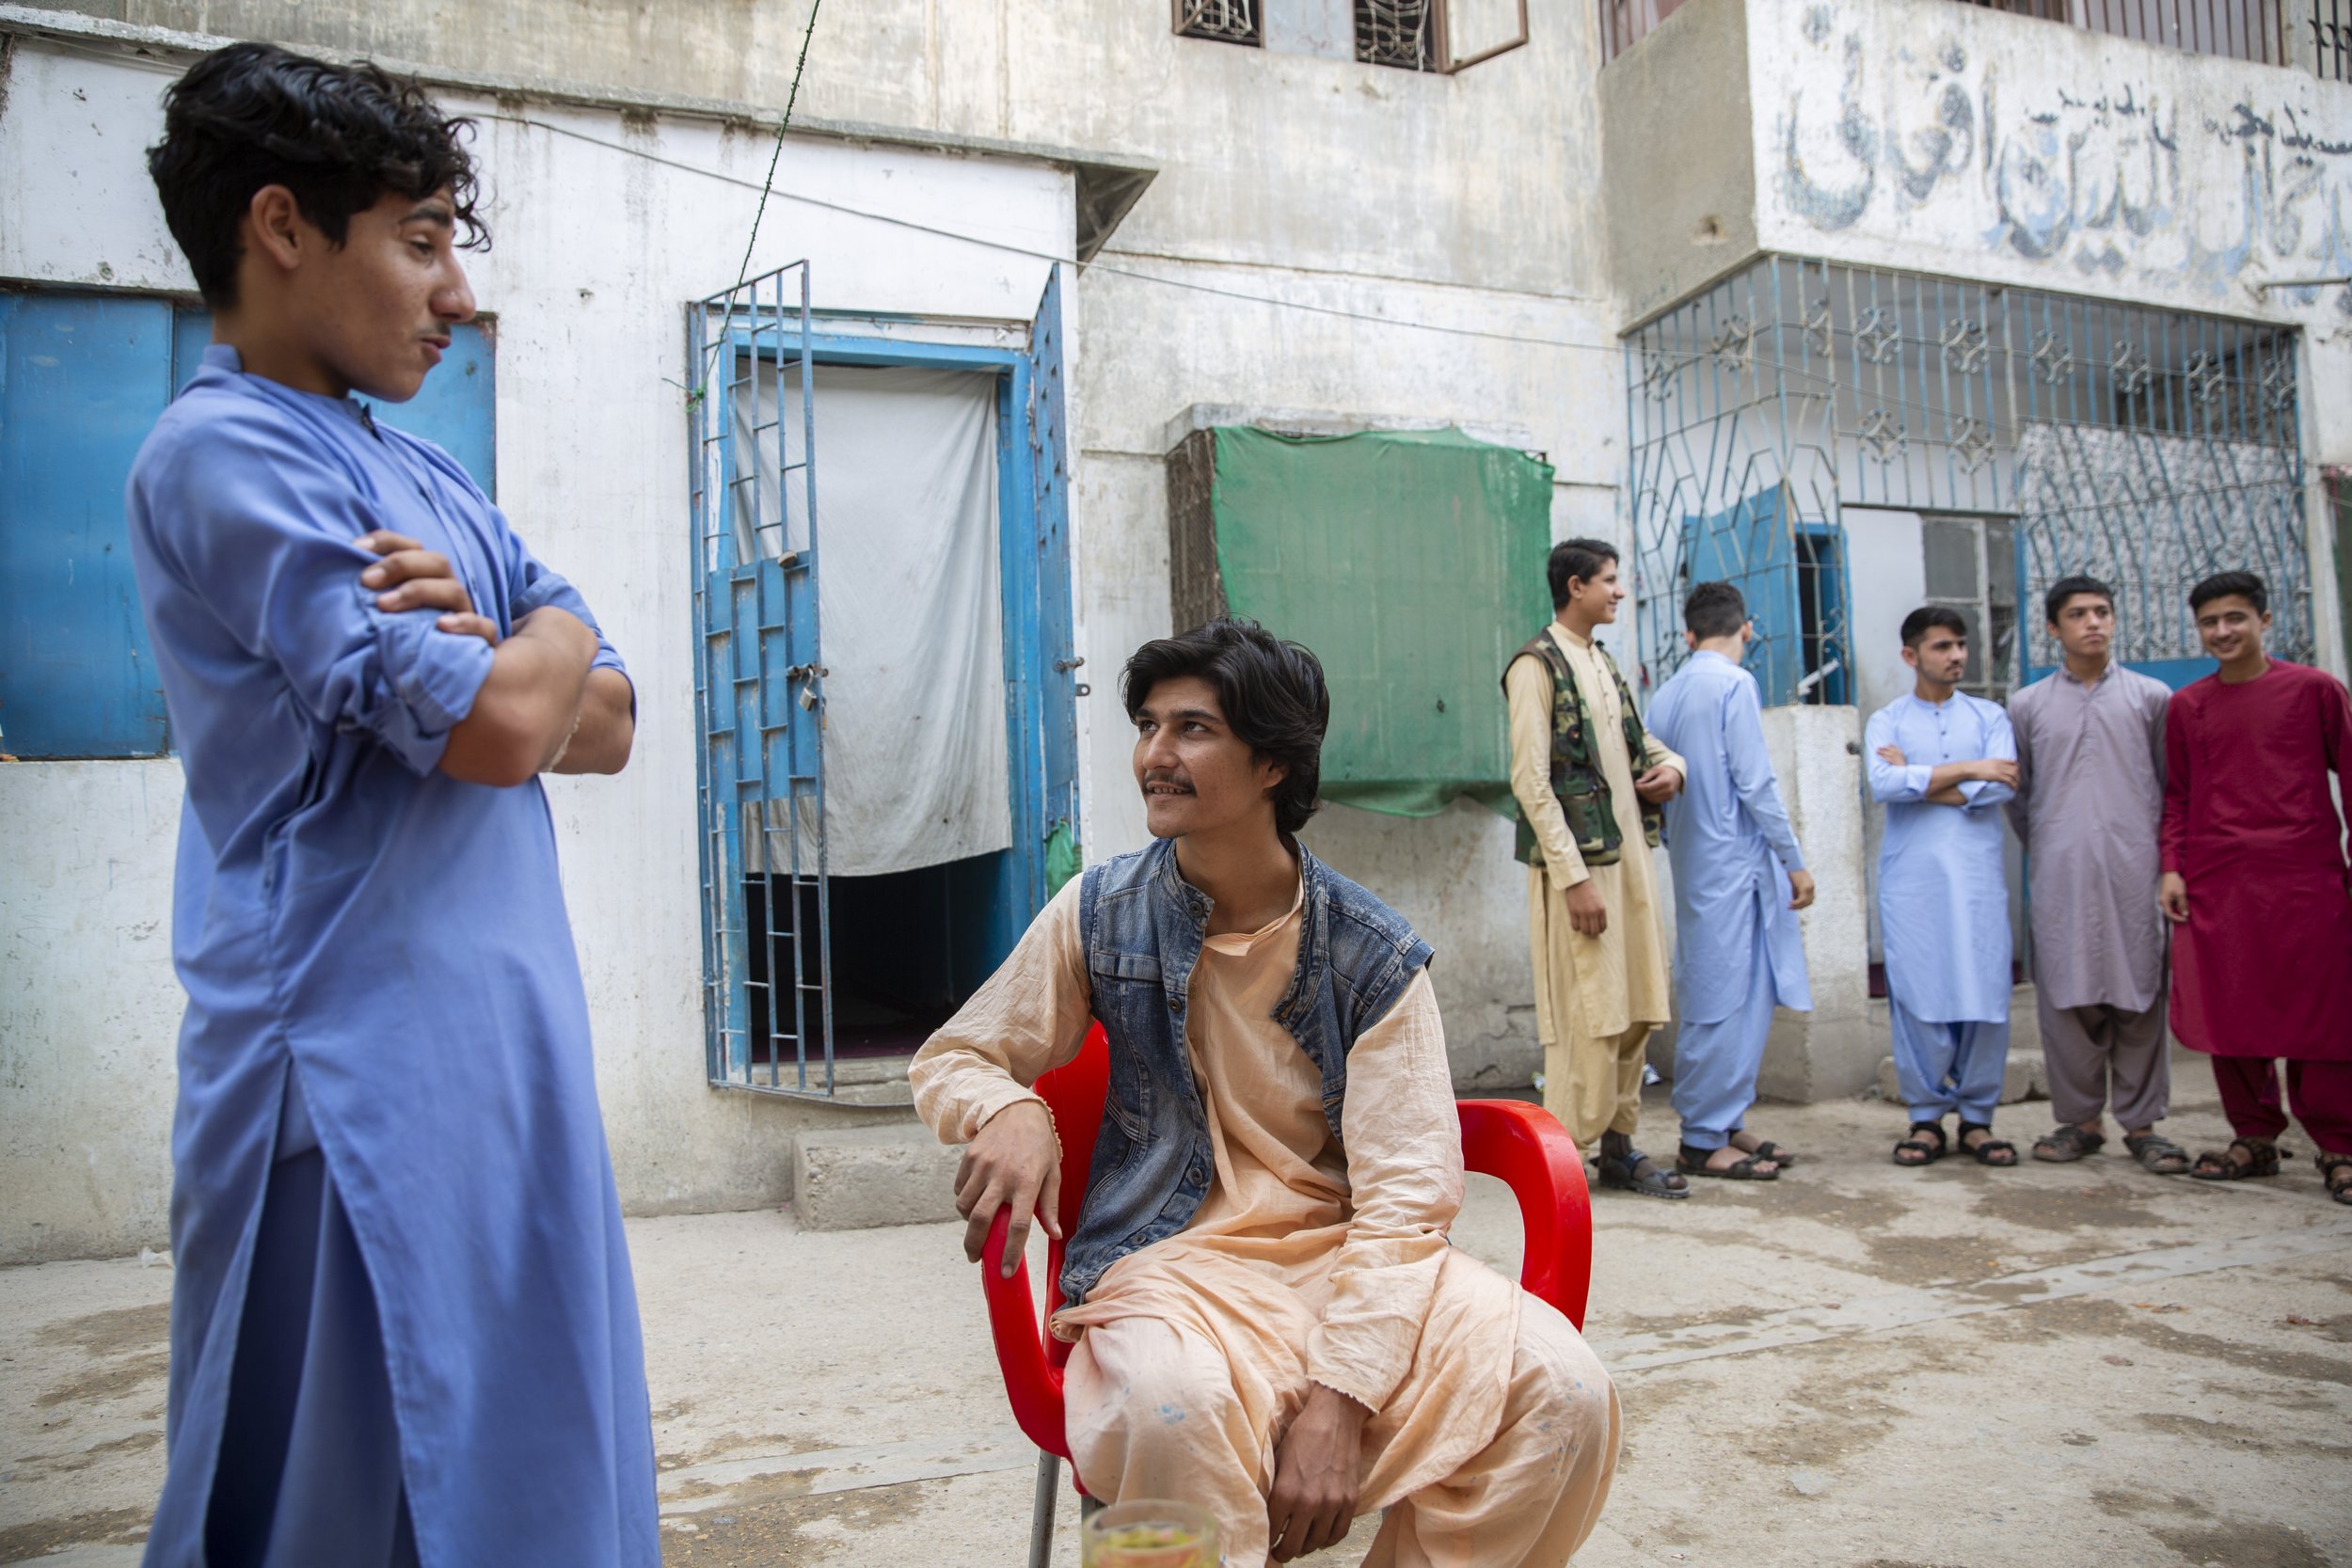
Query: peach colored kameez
(1494,1432)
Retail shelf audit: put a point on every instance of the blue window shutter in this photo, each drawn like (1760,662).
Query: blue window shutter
(82,380)
(457,410)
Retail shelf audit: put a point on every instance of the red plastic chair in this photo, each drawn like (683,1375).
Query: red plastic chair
(1522,1143)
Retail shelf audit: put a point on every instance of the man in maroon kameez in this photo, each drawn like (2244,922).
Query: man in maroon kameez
(2256,887)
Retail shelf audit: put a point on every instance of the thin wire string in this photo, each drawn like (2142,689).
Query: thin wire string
(776,154)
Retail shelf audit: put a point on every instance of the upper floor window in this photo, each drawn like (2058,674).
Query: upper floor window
(1441,35)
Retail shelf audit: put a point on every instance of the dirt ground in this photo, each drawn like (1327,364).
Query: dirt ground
(1856,1366)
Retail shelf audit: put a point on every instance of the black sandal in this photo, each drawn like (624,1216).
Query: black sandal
(1985,1151)
(1692,1160)
(1624,1172)
(1928,1153)
(2158,1153)
(2336,1171)
(2262,1159)
(1767,1150)
(2066,1142)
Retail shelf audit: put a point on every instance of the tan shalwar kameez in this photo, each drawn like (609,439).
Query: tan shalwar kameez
(1494,1430)
(1596,998)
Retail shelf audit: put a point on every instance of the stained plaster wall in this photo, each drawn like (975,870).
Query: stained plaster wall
(1464,230)
(589,278)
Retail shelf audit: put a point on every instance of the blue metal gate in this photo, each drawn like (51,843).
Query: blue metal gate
(759,690)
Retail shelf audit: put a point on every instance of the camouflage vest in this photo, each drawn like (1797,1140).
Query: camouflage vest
(1576,778)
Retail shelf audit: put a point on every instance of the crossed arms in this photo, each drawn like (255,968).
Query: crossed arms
(542,707)
(1974,785)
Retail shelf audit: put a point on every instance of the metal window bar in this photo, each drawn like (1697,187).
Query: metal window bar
(1222,21)
(2255,30)
(758,691)
(2147,447)
(2331,26)
(1398,33)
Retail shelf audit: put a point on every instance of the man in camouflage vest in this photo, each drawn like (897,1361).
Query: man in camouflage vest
(1590,780)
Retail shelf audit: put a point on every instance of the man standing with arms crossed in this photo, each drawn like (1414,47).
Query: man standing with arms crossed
(1940,760)
(1736,947)
(2089,799)
(402,1326)
(1587,822)
(2254,884)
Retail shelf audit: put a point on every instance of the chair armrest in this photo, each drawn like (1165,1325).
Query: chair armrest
(1032,1382)
(1527,1148)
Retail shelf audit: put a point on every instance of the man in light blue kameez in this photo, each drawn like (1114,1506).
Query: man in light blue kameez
(402,1324)
(1943,762)
(1740,880)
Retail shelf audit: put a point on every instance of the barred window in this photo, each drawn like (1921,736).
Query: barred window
(1224,21)
(1438,36)
(1398,33)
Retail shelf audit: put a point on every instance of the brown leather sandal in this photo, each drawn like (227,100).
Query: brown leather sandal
(2262,1159)
(2336,1171)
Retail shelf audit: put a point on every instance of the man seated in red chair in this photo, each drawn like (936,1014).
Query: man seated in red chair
(1269,1320)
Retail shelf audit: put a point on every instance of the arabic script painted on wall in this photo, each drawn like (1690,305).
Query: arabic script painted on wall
(1879,134)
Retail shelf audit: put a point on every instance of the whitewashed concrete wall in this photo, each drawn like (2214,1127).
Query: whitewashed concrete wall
(596,254)
(1316,186)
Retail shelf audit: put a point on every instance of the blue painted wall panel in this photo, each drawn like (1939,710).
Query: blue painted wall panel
(82,380)
(456,410)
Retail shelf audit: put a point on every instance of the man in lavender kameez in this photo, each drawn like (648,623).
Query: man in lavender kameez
(402,1324)
(2089,802)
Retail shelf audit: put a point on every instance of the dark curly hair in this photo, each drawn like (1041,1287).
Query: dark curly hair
(1272,692)
(339,136)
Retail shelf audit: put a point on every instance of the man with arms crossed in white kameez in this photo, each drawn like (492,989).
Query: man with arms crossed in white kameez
(1739,883)
(1587,822)
(1271,1320)
(2090,802)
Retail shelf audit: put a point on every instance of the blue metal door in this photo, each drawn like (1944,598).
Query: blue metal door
(1752,547)
(1049,437)
(760,692)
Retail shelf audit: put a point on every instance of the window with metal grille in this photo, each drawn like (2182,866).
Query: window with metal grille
(2033,434)
(1970,565)
(1400,33)
(1223,20)
(1441,35)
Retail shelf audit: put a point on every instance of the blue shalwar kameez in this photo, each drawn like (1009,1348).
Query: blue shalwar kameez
(1738,949)
(1943,904)
(402,1325)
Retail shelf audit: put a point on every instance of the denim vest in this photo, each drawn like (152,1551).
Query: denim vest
(1142,925)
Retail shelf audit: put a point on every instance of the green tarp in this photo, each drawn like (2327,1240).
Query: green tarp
(1413,563)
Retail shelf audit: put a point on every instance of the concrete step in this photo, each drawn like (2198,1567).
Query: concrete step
(851,1177)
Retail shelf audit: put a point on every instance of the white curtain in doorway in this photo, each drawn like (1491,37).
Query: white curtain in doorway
(908,602)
